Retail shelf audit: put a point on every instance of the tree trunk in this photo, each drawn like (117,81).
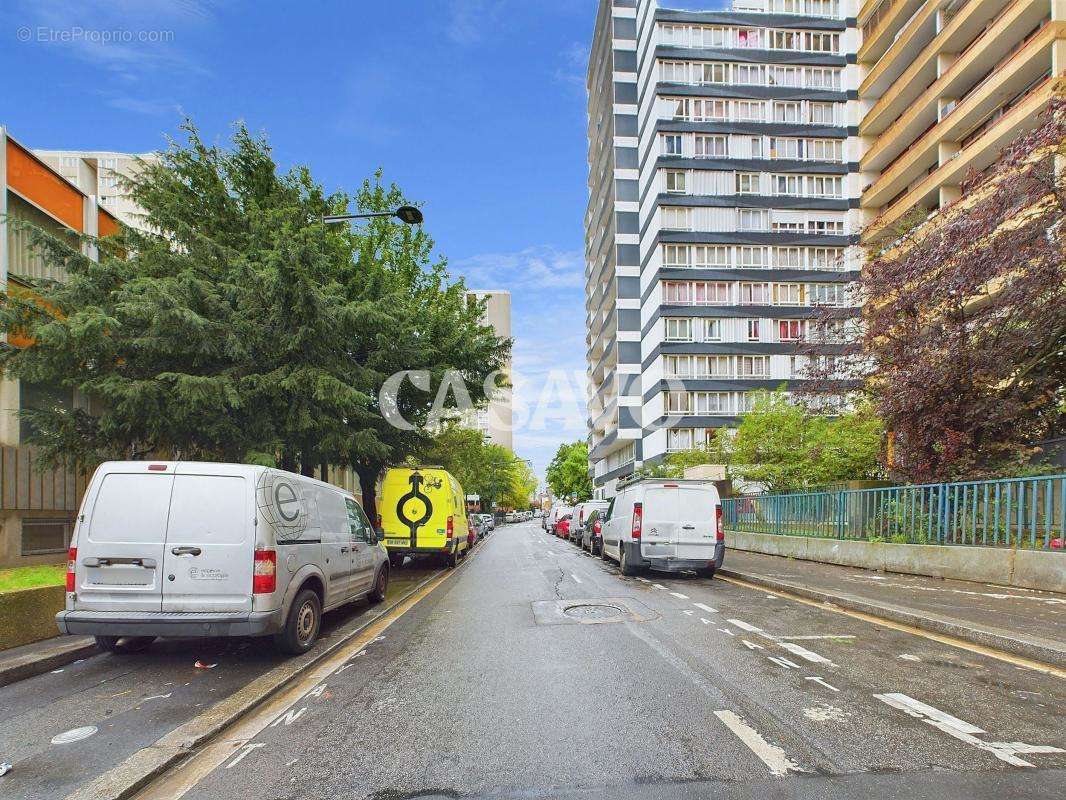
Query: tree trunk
(287,462)
(368,478)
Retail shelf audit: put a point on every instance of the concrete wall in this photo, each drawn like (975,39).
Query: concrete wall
(1029,569)
(29,615)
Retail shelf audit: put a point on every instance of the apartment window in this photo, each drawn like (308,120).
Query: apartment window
(714,37)
(787,111)
(749,74)
(822,113)
(672,144)
(821,42)
(710,255)
(711,146)
(69,161)
(107,163)
(749,110)
(785,40)
(827,294)
(755,294)
(677,293)
(753,366)
(677,219)
(679,439)
(788,185)
(788,226)
(675,181)
(714,72)
(749,256)
(749,37)
(678,329)
(711,294)
(682,108)
(676,35)
(747,183)
(826,227)
(710,403)
(41,536)
(708,330)
(754,329)
(746,402)
(785,76)
(756,147)
(678,366)
(788,294)
(825,150)
(788,257)
(824,186)
(678,403)
(673,72)
(752,219)
(675,255)
(785,148)
(791,330)
(714,366)
(821,78)
(826,257)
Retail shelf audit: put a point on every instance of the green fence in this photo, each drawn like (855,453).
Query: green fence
(1015,512)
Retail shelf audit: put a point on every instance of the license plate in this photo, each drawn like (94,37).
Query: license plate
(397,542)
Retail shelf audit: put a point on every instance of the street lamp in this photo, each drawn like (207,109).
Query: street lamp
(407,214)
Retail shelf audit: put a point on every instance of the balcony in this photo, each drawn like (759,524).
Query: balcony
(881,24)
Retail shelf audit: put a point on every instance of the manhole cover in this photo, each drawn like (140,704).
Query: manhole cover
(593,612)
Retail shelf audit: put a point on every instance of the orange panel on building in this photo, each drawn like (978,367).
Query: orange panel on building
(106,225)
(38,184)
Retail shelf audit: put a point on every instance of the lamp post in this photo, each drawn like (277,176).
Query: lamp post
(407,214)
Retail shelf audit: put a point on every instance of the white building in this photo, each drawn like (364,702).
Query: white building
(722,212)
(495,419)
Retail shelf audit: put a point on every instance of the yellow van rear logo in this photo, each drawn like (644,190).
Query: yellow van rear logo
(408,506)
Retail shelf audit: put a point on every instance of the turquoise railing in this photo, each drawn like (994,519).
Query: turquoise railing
(1011,512)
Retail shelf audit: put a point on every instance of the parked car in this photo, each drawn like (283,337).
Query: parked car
(592,533)
(562,527)
(485,525)
(180,548)
(557,513)
(581,512)
(490,521)
(512,516)
(423,515)
(670,525)
(474,528)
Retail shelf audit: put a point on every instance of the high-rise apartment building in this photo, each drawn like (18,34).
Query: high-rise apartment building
(723,212)
(948,83)
(495,419)
(99,173)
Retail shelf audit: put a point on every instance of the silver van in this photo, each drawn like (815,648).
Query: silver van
(667,525)
(178,548)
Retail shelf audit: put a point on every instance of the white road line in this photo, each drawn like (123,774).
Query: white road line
(819,681)
(781,661)
(909,657)
(659,586)
(963,731)
(771,755)
(708,609)
(745,626)
(679,596)
(245,751)
(705,621)
(688,611)
(804,653)
(576,579)
(825,636)
(726,630)
(288,717)
(643,580)
(752,645)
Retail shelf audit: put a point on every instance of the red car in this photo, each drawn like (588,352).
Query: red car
(562,527)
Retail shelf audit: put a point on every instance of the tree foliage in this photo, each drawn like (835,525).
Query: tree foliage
(488,470)
(239,326)
(568,472)
(964,342)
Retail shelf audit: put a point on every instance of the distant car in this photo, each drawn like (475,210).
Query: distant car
(562,527)
(592,533)
(512,516)
(489,520)
(557,513)
(581,513)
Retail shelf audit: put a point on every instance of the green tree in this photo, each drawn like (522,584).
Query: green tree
(568,472)
(488,470)
(522,485)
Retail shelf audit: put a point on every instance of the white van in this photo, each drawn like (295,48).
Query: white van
(178,548)
(581,513)
(668,525)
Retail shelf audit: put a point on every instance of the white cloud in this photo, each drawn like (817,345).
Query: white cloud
(541,267)
(469,20)
(574,65)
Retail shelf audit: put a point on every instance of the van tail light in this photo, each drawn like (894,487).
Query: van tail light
(451,527)
(265,573)
(597,528)
(638,519)
(72,562)
(719,528)
(379,522)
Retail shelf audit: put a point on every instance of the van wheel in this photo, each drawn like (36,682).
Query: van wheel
(603,553)
(124,644)
(302,624)
(381,584)
(706,573)
(623,563)
(396,560)
(451,561)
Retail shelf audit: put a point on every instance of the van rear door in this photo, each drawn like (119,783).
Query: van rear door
(120,546)
(209,552)
(680,522)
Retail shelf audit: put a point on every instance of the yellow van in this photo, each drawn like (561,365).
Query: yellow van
(423,513)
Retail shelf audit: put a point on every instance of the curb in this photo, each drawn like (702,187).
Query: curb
(145,765)
(28,666)
(1045,651)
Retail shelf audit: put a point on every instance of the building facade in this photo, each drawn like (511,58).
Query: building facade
(723,212)
(99,173)
(495,420)
(948,83)
(37,506)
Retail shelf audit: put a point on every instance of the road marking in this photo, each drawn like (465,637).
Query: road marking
(781,661)
(819,681)
(964,731)
(687,611)
(909,657)
(576,579)
(659,586)
(705,621)
(804,653)
(643,580)
(679,596)
(703,607)
(317,691)
(245,750)
(726,630)
(1018,661)
(752,645)
(288,717)
(821,636)
(157,697)
(745,626)
(771,755)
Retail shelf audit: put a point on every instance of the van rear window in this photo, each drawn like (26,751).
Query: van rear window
(131,508)
(209,509)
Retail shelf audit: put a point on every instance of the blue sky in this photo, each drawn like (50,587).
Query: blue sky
(475,107)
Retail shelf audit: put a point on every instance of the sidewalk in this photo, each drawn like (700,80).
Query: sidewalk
(1024,622)
(28,660)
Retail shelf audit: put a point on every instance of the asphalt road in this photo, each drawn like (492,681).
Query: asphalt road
(680,688)
(133,700)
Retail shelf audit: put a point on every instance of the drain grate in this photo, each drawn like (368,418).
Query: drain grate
(591,611)
(594,612)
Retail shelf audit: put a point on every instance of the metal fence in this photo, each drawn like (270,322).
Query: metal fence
(1014,512)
